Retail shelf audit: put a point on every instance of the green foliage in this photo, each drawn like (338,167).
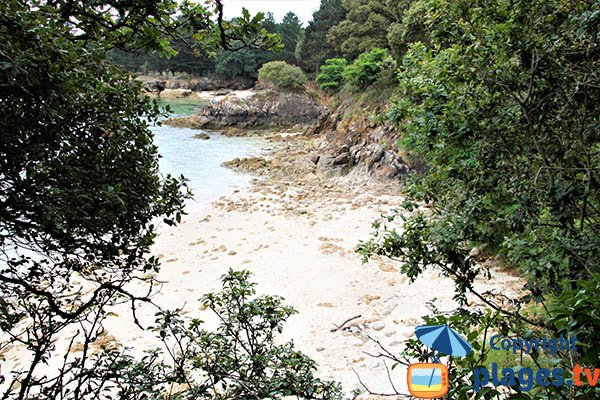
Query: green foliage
(313,49)
(230,64)
(282,75)
(244,31)
(239,60)
(374,24)
(197,41)
(291,31)
(575,312)
(80,188)
(331,73)
(185,60)
(409,28)
(367,67)
(503,106)
(242,358)
(364,27)
(269,23)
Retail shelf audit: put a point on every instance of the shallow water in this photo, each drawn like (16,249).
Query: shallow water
(200,160)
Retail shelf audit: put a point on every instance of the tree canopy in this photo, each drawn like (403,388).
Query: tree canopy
(364,27)
(503,107)
(313,49)
(370,24)
(290,29)
(226,63)
(81,195)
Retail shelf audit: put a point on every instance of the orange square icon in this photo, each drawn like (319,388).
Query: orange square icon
(427,381)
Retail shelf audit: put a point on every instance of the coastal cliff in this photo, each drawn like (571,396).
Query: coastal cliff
(356,138)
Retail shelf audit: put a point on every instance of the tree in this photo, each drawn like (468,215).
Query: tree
(408,28)
(331,74)
(186,60)
(230,64)
(388,24)
(290,29)
(80,190)
(364,27)
(269,24)
(503,106)
(313,49)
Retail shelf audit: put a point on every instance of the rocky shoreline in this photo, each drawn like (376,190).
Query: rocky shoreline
(157,84)
(262,110)
(338,148)
(296,229)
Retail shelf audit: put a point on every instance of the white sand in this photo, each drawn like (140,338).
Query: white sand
(303,250)
(204,95)
(212,94)
(298,241)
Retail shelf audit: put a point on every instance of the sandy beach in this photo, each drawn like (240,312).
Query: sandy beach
(296,231)
(206,95)
(297,235)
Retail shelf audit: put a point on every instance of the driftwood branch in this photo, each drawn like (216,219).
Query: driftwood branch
(341,326)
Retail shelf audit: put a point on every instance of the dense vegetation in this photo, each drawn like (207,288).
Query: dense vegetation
(498,99)
(80,194)
(331,74)
(501,101)
(305,47)
(192,59)
(313,49)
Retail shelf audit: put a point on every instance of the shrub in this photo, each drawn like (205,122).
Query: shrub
(366,68)
(244,357)
(331,74)
(282,75)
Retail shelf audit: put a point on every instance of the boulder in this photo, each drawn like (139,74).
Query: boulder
(265,109)
(202,136)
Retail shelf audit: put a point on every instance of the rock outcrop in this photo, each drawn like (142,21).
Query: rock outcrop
(355,140)
(264,109)
(371,150)
(348,137)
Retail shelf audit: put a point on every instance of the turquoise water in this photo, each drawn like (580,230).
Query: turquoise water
(200,160)
(184,106)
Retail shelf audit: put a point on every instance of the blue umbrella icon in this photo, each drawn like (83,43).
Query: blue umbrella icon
(443,339)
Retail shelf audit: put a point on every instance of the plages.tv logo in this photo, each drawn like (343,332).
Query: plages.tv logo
(430,380)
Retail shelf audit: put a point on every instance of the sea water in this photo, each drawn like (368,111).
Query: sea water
(200,161)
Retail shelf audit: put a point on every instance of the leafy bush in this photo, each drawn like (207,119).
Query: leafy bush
(241,359)
(366,68)
(282,75)
(331,73)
